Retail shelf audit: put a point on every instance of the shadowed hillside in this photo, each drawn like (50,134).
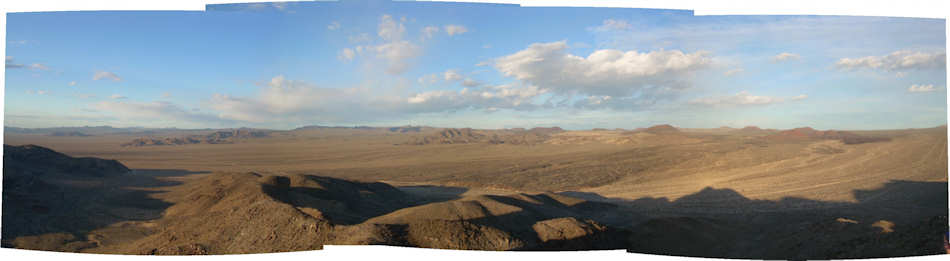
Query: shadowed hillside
(55,202)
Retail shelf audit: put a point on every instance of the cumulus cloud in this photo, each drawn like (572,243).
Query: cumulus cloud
(333,26)
(921,88)
(487,98)
(743,99)
(117,97)
(72,83)
(896,61)
(612,25)
(604,72)
(782,57)
(394,50)
(454,29)
(104,75)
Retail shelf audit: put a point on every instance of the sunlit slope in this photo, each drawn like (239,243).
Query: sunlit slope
(820,170)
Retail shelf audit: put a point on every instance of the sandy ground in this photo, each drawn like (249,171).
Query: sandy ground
(824,170)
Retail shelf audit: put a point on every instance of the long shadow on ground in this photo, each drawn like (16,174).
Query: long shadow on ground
(902,218)
(48,207)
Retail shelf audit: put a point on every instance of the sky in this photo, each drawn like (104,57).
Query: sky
(380,63)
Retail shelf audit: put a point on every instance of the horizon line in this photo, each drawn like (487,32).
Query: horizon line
(440,127)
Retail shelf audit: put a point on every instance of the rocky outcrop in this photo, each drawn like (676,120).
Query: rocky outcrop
(218,137)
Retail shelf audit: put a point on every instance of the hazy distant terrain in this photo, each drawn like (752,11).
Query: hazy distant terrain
(724,192)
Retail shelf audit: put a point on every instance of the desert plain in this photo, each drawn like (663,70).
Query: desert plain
(721,192)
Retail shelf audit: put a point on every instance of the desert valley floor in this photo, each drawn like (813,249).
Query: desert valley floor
(724,192)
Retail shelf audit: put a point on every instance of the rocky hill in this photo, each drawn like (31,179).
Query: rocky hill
(807,133)
(257,213)
(48,197)
(405,129)
(218,137)
(20,160)
(662,129)
(470,136)
(68,134)
(751,128)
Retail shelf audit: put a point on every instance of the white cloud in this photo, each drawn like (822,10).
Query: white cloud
(603,72)
(896,61)
(153,110)
(37,92)
(117,97)
(429,31)
(389,29)
(398,55)
(333,26)
(284,100)
(38,66)
(597,100)
(782,57)
(744,98)
(394,50)
(346,54)
(451,75)
(295,102)
(85,95)
(428,79)
(468,82)
(733,72)
(359,38)
(612,25)
(100,75)
(72,83)
(921,88)
(453,29)
(487,98)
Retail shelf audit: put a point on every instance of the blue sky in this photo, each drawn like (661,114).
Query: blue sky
(470,65)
